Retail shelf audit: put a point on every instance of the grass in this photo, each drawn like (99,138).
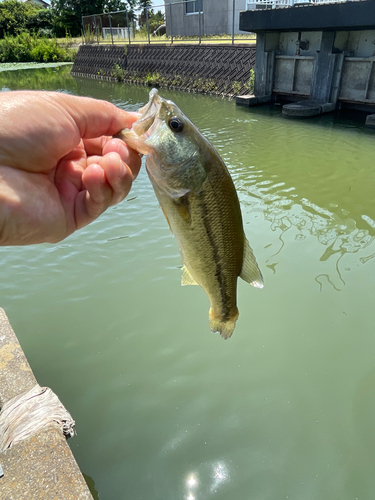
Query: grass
(141,39)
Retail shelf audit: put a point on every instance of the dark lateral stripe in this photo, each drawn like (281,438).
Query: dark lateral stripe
(216,255)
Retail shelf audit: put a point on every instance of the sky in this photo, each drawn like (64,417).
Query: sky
(158,4)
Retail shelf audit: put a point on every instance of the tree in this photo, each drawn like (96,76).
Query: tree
(41,20)
(15,16)
(68,13)
(144,3)
(155,20)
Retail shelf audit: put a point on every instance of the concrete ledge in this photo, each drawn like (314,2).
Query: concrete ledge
(346,16)
(41,466)
(16,375)
(252,100)
(246,100)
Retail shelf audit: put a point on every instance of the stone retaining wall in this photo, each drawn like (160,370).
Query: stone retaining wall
(223,65)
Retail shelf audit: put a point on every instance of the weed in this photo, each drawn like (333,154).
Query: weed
(236,87)
(152,79)
(251,83)
(117,72)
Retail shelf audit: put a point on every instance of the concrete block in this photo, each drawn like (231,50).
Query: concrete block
(246,100)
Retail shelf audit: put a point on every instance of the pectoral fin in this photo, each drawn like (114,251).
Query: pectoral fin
(187,278)
(250,270)
(183,208)
(166,216)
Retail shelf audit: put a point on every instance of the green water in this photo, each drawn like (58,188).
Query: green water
(164,409)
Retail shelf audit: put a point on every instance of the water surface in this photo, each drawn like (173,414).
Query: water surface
(164,409)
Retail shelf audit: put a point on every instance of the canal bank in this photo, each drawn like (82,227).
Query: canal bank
(35,459)
(216,69)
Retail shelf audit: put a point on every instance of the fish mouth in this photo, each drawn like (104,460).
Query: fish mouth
(148,114)
(151,114)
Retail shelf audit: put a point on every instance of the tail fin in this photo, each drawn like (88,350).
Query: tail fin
(223,326)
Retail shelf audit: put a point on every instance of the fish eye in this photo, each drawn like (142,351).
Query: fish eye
(175,124)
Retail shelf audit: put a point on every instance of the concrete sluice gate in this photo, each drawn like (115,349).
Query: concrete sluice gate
(319,57)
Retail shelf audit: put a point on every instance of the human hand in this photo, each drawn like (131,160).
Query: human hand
(59,166)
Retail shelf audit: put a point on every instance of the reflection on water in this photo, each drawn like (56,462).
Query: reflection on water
(337,233)
(55,78)
(218,475)
(166,411)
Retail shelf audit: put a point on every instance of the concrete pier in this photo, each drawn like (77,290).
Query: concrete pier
(318,57)
(42,466)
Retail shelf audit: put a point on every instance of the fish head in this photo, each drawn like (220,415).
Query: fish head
(168,138)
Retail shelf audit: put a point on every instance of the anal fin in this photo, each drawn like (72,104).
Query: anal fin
(187,278)
(250,271)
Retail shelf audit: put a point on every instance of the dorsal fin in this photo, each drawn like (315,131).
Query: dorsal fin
(250,271)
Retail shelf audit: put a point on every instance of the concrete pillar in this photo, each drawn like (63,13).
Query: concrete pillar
(267,43)
(324,70)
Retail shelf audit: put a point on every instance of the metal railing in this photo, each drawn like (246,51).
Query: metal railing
(179,22)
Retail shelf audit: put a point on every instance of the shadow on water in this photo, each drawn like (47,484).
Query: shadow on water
(91,486)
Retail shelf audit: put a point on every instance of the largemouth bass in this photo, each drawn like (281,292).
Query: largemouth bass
(200,203)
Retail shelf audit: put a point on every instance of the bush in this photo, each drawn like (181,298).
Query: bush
(45,33)
(32,48)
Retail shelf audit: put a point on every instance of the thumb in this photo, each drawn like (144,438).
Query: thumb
(95,117)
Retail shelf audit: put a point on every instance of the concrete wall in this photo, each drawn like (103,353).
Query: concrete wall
(290,43)
(222,64)
(324,66)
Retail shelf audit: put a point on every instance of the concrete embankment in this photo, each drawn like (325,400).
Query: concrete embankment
(218,69)
(319,55)
(41,466)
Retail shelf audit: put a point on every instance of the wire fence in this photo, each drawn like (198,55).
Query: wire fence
(200,21)
(176,22)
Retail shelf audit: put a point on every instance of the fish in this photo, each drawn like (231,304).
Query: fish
(199,200)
